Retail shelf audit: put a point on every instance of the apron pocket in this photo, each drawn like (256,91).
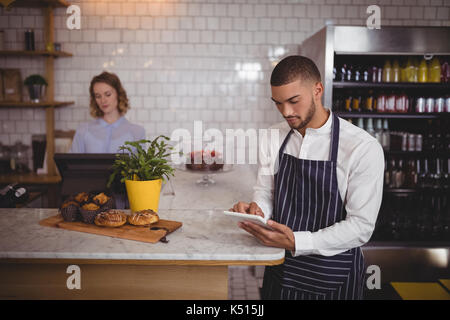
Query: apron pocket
(318,274)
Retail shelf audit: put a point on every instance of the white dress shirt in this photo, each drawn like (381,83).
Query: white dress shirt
(360,173)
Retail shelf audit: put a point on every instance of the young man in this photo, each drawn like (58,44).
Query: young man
(323,197)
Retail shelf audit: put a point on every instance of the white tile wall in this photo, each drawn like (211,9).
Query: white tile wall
(184,60)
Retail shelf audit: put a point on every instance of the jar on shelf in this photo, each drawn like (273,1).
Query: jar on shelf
(20,155)
(5,159)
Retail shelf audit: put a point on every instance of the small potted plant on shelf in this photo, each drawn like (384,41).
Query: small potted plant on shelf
(143,171)
(36,85)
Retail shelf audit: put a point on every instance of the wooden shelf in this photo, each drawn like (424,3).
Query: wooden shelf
(389,85)
(40,3)
(44,104)
(42,53)
(30,178)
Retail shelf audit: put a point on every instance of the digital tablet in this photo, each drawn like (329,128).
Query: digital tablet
(238,216)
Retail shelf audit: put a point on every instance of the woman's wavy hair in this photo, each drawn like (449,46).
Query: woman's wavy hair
(114,81)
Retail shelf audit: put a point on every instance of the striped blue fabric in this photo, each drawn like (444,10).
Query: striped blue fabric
(306,198)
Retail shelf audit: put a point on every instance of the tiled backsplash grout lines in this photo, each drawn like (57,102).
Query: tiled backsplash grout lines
(182,61)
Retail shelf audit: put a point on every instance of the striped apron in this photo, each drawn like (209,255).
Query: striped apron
(306,198)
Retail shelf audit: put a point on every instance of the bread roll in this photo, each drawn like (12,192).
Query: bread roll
(111,218)
(143,218)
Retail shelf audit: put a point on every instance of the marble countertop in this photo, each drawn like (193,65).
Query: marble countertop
(183,191)
(205,235)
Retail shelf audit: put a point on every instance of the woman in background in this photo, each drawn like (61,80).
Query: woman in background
(110,129)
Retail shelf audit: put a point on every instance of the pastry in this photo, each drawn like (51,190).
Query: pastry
(143,218)
(101,198)
(88,212)
(90,206)
(70,210)
(82,197)
(111,218)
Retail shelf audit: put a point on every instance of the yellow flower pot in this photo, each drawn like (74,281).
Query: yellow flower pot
(143,195)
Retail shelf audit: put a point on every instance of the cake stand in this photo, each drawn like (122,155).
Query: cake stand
(206,179)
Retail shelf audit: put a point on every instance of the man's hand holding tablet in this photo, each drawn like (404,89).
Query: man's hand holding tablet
(273,235)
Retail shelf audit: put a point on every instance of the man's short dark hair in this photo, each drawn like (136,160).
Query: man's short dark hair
(294,68)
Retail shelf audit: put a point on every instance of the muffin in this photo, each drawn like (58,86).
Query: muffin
(105,202)
(81,197)
(89,211)
(70,211)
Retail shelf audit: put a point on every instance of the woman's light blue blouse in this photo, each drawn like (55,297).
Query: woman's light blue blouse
(98,136)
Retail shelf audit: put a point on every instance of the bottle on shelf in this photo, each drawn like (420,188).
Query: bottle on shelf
(396,71)
(401,103)
(357,74)
(369,127)
(410,174)
(386,136)
(387,171)
(349,73)
(423,71)
(418,173)
(381,102)
(429,143)
(410,71)
(356,102)
(434,71)
(403,71)
(390,102)
(379,131)
(445,72)
(387,71)
(369,105)
(342,74)
(360,123)
(437,176)
(392,173)
(446,176)
(348,103)
(400,175)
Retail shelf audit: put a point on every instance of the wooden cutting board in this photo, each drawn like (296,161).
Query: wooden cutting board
(127,231)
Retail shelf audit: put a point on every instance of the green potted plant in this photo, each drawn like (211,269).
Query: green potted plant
(143,171)
(36,85)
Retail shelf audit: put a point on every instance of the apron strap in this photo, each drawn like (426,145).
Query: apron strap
(280,152)
(334,139)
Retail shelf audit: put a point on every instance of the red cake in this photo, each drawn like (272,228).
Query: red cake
(213,161)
